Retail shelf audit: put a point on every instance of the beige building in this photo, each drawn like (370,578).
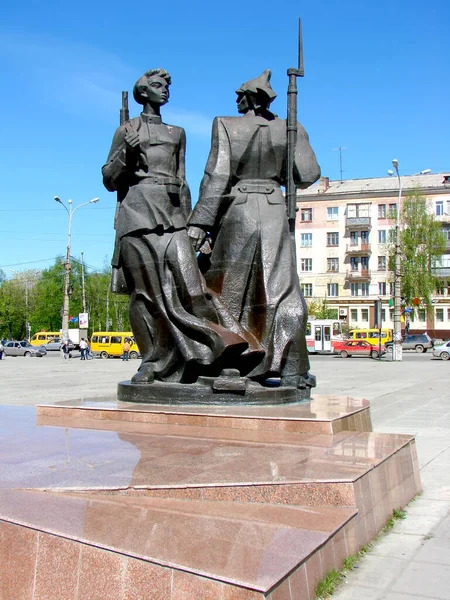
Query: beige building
(342,233)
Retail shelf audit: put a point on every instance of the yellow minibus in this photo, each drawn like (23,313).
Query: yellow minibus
(371,335)
(109,343)
(42,337)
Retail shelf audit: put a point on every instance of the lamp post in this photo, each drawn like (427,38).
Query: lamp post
(70,211)
(397,354)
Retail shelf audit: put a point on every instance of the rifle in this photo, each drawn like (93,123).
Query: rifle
(118,283)
(291,188)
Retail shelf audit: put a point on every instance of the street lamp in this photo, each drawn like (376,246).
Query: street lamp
(397,354)
(70,211)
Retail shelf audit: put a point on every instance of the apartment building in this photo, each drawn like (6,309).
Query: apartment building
(342,233)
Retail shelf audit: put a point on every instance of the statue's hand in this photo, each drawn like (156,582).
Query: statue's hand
(131,137)
(197,235)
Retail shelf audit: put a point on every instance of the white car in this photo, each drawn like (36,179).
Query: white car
(442,351)
(23,348)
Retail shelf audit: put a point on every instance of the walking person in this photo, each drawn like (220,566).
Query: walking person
(65,350)
(2,349)
(83,348)
(126,349)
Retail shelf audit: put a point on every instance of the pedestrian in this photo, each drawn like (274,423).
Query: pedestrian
(83,348)
(126,349)
(65,350)
(1,351)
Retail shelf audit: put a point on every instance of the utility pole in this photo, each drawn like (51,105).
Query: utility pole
(107,310)
(83,294)
(397,354)
(65,312)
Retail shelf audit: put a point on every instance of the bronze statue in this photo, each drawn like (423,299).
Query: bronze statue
(241,212)
(181,330)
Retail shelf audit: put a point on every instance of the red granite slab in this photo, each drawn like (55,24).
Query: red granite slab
(249,545)
(323,414)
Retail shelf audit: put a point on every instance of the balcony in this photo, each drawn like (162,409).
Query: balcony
(358,222)
(358,275)
(357,249)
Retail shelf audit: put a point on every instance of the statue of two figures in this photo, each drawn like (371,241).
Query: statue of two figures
(236,312)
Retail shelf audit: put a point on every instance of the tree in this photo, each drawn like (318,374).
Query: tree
(321,310)
(422,244)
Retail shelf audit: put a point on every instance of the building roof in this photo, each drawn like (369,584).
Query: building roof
(377,185)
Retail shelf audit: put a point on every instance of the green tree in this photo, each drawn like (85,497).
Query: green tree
(321,309)
(422,244)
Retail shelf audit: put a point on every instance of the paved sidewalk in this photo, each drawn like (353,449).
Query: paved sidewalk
(412,562)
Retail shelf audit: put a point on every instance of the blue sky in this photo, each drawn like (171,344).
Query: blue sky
(376,83)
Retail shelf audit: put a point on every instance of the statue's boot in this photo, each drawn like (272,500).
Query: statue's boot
(144,375)
(307,380)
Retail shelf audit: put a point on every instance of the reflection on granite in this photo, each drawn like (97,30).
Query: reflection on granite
(201,511)
(246,544)
(62,457)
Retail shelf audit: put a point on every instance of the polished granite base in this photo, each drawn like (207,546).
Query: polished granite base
(323,414)
(96,504)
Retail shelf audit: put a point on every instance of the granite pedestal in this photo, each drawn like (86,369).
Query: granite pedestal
(104,500)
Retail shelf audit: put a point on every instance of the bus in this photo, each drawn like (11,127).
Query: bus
(320,334)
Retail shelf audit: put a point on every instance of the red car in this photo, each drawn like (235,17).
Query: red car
(356,348)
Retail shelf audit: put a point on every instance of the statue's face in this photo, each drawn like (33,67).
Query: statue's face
(242,104)
(157,91)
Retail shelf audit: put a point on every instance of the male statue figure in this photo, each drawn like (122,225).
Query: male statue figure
(242,211)
(175,323)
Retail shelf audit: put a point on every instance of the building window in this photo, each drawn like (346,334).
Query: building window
(332,238)
(382,236)
(307,289)
(354,314)
(333,289)
(391,315)
(306,264)
(364,237)
(354,236)
(448,314)
(364,263)
(354,263)
(332,264)
(382,211)
(383,315)
(440,315)
(365,315)
(392,211)
(439,208)
(422,315)
(382,263)
(354,289)
(365,289)
(332,213)
(357,211)
(412,317)
(306,215)
(306,240)
(446,233)
(391,289)
(382,288)
(440,289)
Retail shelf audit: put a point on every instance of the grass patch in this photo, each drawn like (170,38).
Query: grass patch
(328,585)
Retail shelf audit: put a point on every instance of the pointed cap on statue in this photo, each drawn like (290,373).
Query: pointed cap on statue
(258,85)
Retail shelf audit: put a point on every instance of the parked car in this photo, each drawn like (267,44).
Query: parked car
(420,342)
(23,348)
(442,351)
(356,348)
(55,344)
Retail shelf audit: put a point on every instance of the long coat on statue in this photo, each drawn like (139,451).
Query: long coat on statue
(252,264)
